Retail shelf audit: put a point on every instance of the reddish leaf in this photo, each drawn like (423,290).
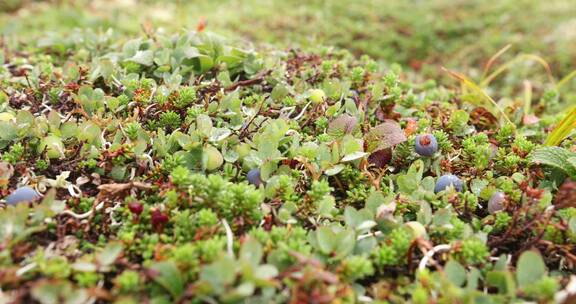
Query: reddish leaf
(385,135)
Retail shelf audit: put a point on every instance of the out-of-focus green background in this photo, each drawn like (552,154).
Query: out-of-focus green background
(421,35)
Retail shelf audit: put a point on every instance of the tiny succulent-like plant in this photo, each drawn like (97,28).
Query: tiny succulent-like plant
(184,168)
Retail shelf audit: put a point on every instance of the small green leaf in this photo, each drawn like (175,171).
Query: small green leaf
(407,183)
(353,156)
(143,57)
(334,170)
(530,268)
(212,158)
(219,134)
(572,224)
(266,272)
(204,124)
(345,242)
(53,146)
(325,238)
(326,206)
(502,280)
(220,273)
(251,251)
(169,277)
(442,217)
(455,273)
(109,254)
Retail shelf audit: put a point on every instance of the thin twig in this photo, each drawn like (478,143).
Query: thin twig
(243,83)
(83,215)
(229,238)
(431,253)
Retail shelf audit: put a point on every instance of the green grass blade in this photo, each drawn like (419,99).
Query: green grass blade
(565,80)
(563,129)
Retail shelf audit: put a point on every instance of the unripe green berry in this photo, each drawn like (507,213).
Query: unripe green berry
(317,96)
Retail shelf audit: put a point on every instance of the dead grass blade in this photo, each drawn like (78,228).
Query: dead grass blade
(527,97)
(476,89)
(522,57)
(493,59)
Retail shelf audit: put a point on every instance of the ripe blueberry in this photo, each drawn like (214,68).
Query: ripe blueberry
(445,181)
(496,202)
(22,194)
(253,177)
(426,145)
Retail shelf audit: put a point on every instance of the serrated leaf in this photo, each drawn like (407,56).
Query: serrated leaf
(279,92)
(385,135)
(556,157)
(344,124)
(407,183)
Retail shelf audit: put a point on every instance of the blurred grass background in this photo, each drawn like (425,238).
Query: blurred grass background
(418,34)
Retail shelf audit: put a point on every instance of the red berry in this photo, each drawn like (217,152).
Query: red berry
(158,218)
(136,207)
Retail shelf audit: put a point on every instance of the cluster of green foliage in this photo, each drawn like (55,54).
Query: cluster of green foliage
(423,35)
(142,152)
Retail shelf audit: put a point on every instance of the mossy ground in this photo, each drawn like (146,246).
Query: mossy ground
(140,140)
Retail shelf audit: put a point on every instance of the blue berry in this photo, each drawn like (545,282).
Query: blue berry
(253,177)
(496,202)
(445,181)
(23,194)
(426,145)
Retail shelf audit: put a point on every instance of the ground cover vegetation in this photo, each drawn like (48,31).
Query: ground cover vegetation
(154,166)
